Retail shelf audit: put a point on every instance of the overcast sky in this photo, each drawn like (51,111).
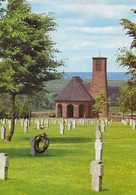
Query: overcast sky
(87,27)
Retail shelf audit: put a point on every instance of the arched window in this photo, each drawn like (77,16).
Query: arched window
(59,110)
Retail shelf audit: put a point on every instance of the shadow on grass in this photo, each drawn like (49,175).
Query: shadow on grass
(26,153)
(16,152)
(69,140)
(105,190)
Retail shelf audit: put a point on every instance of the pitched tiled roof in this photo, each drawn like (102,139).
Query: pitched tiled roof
(75,90)
(87,85)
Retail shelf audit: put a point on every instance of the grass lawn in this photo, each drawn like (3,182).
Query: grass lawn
(65,167)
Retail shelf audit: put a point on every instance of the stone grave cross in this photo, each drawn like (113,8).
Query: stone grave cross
(97,168)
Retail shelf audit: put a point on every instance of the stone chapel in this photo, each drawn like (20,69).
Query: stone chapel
(76,100)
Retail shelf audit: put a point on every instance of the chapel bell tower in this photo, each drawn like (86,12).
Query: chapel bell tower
(99,81)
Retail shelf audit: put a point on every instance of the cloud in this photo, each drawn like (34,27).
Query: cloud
(87,7)
(114,44)
(97,30)
(80,58)
(80,1)
(76,45)
(51,2)
(87,27)
(103,1)
(106,11)
(94,42)
(71,22)
(87,36)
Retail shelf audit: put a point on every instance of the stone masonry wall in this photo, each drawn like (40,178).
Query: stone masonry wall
(88,106)
(99,81)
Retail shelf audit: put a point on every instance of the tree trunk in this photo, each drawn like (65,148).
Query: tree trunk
(9,137)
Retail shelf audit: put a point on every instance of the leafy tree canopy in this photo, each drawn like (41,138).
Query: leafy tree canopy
(26,50)
(2,111)
(100,100)
(126,57)
(128,97)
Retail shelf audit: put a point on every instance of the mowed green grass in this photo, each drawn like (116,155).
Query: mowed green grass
(65,167)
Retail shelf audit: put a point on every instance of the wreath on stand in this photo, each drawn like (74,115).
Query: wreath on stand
(41,138)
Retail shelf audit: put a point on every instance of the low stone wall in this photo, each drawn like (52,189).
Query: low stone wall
(114,116)
(119,116)
(41,114)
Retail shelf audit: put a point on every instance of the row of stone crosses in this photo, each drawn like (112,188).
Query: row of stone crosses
(71,123)
(96,167)
(130,122)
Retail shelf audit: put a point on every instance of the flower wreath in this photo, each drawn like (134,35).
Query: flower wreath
(38,139)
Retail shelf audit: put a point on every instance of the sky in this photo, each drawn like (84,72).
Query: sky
(88,28)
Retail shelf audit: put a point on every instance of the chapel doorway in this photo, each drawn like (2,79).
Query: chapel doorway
(70,111)
(81,111)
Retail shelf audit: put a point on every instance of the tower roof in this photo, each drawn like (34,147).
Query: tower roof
(75,90)
(99,57)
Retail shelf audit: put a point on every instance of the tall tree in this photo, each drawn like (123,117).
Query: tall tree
(27,51)
(17,108)
(127,57)
(128,97)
